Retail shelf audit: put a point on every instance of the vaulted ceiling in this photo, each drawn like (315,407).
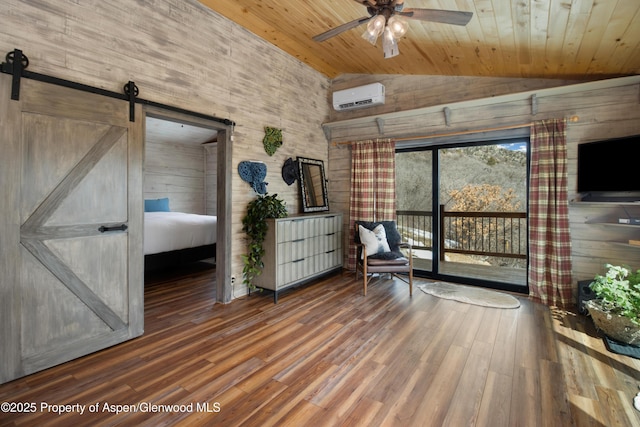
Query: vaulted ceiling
(578,39)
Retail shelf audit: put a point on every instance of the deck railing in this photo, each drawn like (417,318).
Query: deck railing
(496,234)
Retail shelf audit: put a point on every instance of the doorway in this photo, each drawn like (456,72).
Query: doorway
(196,177)
(464,208)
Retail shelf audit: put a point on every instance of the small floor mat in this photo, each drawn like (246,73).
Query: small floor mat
(469,295)
(622,348)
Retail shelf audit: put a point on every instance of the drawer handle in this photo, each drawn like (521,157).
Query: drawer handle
(328,252)
(330,234)
(298,260)
(298,240)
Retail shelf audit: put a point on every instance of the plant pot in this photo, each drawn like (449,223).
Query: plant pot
(617,327)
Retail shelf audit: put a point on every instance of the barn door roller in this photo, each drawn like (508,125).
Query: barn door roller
(16,63)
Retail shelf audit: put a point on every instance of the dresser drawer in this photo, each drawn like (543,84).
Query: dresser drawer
(300,248)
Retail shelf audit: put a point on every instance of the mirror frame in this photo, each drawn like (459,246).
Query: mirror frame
(304,182)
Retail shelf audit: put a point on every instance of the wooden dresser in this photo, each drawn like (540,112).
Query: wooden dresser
(300,248)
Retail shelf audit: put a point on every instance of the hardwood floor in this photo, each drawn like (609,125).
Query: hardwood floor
(326,355)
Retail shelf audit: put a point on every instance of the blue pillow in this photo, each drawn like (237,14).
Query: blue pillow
(156,205)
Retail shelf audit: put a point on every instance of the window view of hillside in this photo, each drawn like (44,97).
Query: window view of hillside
(482,208)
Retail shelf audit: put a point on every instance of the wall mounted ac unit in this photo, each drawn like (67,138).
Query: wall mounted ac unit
(358,97)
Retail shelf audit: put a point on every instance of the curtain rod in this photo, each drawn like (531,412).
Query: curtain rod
(572,119)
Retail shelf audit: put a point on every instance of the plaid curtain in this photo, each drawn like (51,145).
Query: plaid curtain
(373,186)
(549,240)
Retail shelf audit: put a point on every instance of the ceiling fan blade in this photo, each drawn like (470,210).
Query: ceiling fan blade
(371,3)
(436,15)
(340,29)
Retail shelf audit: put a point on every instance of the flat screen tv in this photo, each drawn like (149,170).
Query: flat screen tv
(608,170)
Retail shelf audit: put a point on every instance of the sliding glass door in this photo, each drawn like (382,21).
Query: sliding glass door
(464,209)
(414,190)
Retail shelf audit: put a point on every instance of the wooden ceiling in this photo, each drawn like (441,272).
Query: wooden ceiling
(578,39)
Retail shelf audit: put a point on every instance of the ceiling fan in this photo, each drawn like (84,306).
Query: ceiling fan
(386,19)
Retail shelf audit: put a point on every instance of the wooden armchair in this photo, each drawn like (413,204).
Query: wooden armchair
(386,256)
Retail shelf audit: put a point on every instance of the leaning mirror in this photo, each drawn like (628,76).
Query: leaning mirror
(313,185)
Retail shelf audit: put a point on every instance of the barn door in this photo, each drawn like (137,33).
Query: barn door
(71,246)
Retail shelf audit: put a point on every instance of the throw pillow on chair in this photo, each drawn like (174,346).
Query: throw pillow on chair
(380,243)
(375,241)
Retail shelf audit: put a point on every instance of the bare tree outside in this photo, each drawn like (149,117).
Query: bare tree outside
(482,196)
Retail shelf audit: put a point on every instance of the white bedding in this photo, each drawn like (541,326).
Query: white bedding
(168,231)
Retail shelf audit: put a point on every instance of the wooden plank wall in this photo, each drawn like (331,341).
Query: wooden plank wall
(409,92)
(177,171)
(597,239)
(210,177)
(181,53)
(604,113)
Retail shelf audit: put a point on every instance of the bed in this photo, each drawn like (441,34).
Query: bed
(173,238)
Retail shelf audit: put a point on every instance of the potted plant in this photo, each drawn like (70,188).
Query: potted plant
(616,307)
(254,224)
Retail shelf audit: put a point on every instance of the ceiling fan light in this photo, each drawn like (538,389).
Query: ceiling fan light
(389,44)
(398,26)
(375,27)
(371,38)
(378,23)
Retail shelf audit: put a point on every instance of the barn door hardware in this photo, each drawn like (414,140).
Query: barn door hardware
(132,92)
(16,64)
(105,229)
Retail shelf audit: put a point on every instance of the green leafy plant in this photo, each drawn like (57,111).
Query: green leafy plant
(618,292)
(254,224)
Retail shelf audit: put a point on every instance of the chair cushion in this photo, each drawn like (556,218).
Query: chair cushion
(386,256)
(375,241)
(380,262)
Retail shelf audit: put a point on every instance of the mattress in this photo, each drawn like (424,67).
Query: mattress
(170,231)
